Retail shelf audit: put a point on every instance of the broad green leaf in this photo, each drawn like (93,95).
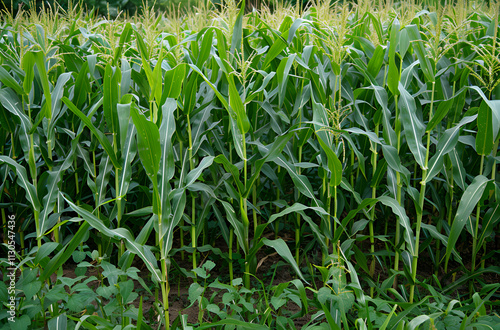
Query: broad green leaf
(238,30)
(376,61)
(195,173)
(230,168)
(111,99)
(125,35)
(62,256)
(495,108)
(58,323)
(280,246)
(22,180)
(300,181)
(484,137)
(468,202)
(49,200)
(120,234)
(129,151)
(382,99)
(459,174)
(42,73)
(206,47)
(418,47)
(393,75)
(98,134)
(237,225)
(282,74)
(237,107)
(333,164)
(417,321)
(28,66)
(173,81)
(414,128)
(490,220)
(403,218)
(445,145)
(9,81)
(148,143)
(167,164)
(393,160)
(270,154)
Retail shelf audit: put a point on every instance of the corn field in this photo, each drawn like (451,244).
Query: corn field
(356,143)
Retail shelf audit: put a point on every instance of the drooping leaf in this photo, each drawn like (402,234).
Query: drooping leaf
(468,202)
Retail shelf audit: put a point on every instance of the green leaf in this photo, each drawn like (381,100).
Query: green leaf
(468,202)
(111,98)
(22,180)
(195,173)
(490,220)
(445,145)
(282,74)
(237,225)
(230,168)
(301,182)
(334,164)
(280,246)
(60,258)
(418,47)
(148,143)
(173,81)
(49,200)
(414,128)
(44,78)
(125,35)
(233,322)
(237,106)
(129,151)
(403,218)
(393,75)
(382,99)
(120,234)
(238,30)
(8,81)
(484,137)
(98,134)
(58,323)
(270,154)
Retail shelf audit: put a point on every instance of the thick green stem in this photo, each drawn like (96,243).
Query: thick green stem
(254,211)
(372,213)
(231,234)
(397,235)
(493,173)
(165,288)
(421,203)
(4,223)
(193,200)
(246,226)
(181,230)
(277,222)
(244,216)
(476,230)
(297,226)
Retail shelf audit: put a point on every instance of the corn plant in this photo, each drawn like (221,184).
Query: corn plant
(357,141)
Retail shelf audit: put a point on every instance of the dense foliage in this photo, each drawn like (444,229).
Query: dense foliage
(357,143)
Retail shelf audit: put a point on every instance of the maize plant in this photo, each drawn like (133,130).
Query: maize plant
(351,146)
